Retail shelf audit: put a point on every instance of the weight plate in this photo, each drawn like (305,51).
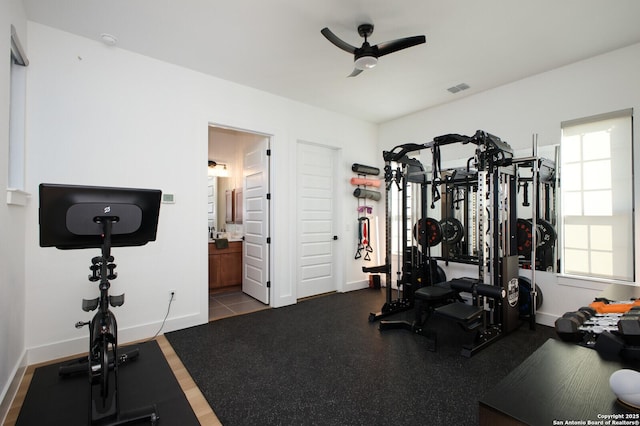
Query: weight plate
(452,230)
(427,231)
(524,299)
(523,236)
(547,234)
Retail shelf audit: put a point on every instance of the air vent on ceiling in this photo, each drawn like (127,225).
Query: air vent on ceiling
(459,87)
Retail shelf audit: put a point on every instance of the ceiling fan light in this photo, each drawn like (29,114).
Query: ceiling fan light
(366,62)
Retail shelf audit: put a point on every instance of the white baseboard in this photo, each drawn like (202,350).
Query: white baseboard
(80,345)
(355,285)
(11,389)
(544,318)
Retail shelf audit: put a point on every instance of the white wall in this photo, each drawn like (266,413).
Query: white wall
(535,105)
(99,115)
(12,223)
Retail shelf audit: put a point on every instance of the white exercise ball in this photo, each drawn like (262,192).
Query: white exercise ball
(625,384)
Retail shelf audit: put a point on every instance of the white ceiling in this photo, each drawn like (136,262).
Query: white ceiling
(276,45)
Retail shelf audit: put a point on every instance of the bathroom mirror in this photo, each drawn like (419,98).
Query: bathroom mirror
(219,201)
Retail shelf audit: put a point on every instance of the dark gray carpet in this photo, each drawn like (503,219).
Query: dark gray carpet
(321,362)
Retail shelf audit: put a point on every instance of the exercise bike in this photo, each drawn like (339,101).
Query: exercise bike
(103,360)
(73,217)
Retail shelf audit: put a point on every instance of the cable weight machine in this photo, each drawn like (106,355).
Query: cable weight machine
(489,186)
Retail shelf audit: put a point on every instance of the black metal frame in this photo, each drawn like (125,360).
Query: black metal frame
(415,270)
(497,258)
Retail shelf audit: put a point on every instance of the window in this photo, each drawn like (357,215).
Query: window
(19,63)
(596,183)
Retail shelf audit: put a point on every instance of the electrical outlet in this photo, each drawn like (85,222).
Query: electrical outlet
(172,295)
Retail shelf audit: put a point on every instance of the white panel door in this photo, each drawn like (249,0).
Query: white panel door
(255,265)
(315,209)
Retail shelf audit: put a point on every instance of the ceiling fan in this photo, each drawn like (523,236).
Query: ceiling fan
(366,56)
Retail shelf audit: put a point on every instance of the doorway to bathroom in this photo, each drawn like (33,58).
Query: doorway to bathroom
(238,215)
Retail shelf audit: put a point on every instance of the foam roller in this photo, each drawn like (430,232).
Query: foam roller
(365,170)
(366,193)
(365,182)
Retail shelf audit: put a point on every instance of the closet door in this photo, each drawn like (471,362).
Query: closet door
(316,212)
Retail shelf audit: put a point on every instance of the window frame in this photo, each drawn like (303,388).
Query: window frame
(584,280)
(16,194)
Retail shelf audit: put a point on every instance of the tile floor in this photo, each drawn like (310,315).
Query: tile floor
(223,305)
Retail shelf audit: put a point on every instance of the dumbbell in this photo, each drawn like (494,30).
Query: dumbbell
(629,327)
(567,326)
(593,318)
(572,325)
(609,345)
(625,342)
(588,310)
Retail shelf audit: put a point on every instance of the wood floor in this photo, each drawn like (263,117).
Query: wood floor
(199,404)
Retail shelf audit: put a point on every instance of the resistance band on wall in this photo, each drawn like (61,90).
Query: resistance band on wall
(364,239)
(363,194)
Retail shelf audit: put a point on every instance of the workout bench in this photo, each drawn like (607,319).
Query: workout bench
(444,300)
(472,317)
(426,299)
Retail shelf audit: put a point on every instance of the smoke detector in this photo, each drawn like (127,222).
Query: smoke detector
(108,39)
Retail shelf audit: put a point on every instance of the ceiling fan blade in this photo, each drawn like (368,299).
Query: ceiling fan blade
(335,40)
(399,44)
(355,72)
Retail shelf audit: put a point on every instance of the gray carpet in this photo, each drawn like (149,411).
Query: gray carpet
(321,362)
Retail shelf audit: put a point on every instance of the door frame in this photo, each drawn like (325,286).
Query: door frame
(270,136)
